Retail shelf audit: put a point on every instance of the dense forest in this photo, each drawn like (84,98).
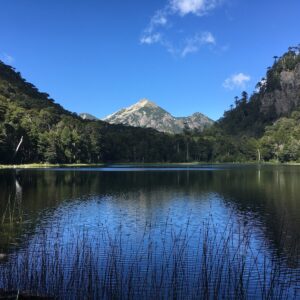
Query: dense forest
(33,128)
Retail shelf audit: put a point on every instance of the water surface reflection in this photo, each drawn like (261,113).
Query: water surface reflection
(117,209)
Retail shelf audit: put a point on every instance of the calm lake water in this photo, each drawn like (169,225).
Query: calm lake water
(210,232)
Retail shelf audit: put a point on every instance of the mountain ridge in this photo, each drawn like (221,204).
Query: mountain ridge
(148,114)
(87,116)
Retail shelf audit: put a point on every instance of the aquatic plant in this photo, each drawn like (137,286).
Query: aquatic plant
(164,262)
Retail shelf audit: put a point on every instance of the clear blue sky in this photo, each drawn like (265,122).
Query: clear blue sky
(98,56)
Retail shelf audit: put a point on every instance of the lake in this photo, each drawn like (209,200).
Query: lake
(130,232)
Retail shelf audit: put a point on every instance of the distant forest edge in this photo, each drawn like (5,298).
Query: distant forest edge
(262,127)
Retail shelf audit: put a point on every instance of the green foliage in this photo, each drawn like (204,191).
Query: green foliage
(222,147)
(244,118)
(281,141)
(46,132)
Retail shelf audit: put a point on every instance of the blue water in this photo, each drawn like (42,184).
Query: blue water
(167,232)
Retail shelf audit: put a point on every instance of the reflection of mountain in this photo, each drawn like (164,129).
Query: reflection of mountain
(259,196)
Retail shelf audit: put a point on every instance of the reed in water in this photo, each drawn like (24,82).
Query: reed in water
(163,262)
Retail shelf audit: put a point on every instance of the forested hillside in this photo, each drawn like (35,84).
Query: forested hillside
(264,126)
(33,128)
(276,95)
(269,119)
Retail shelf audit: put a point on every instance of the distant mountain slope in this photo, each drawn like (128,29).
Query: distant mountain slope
(147,114)
(86,116)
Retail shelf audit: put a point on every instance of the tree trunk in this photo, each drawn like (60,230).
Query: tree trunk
(258,155)
(18,147)
(187,152)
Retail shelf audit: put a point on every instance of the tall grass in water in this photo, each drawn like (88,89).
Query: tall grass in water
(163,262)
(13,213)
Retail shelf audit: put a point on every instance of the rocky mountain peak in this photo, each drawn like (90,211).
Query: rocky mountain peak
(145,102)
(146,113)
(286,96)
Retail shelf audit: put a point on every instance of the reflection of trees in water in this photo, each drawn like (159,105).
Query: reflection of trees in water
(11,210)
(12,205)
(268,194)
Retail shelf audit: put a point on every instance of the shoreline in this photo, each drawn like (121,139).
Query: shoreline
(101,165)
(49,166)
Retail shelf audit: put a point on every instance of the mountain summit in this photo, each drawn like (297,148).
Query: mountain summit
(146,113)
(86,116)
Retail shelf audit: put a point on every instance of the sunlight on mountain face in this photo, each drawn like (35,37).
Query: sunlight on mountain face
(146,113)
